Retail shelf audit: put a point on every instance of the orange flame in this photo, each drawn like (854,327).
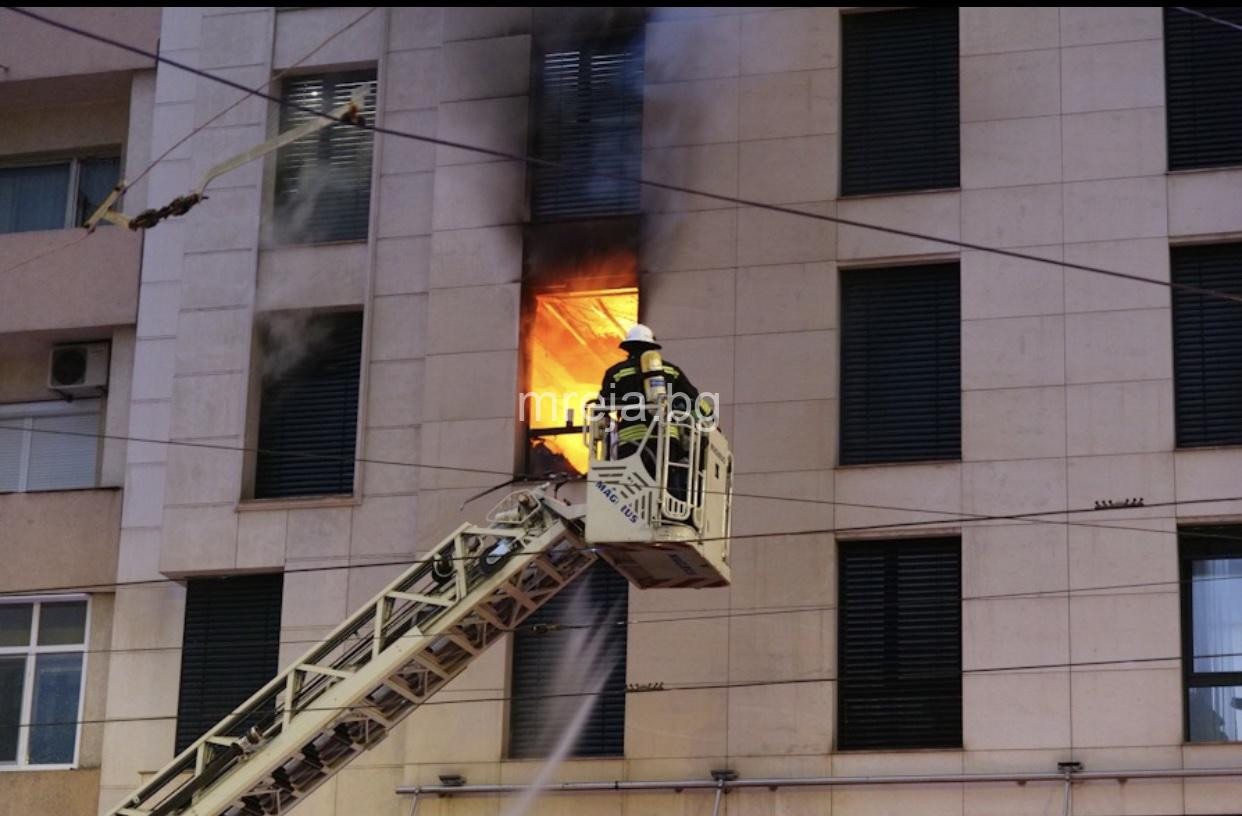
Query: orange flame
(571,338)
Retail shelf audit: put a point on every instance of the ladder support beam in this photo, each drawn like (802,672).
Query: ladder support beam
(372,671)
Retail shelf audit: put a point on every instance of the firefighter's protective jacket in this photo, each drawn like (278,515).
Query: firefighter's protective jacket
(622,388)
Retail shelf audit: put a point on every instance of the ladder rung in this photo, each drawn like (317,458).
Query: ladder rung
(327,670)
(432,665)
(418,597)
(401,688)
(464,642)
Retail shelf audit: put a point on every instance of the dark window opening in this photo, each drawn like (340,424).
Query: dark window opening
(899,635)
(587,116)
(1203,84)
(231,650)
(1211,574)
(560,673)
(900,364)
(899,104)
(308,412)
(323,181)
(1207,346)
(580,297)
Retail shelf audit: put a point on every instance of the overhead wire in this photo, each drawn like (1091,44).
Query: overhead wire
(77,239)
(540,162)
(534,160)
(275,77)
(740,202)
(657,687)
(660,185)
(541,629)
(1208,17)
(1034,516)
(130,183)
(850,531)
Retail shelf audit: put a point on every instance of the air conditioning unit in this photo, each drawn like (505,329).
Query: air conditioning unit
(79,369)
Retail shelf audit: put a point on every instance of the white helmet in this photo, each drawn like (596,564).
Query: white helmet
(639,338)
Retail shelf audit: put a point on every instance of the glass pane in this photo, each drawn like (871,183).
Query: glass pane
(1216,601)
(62,452)
(33,198)
(10,453)
(62,624)
(96,178)
(12,672)
(54,711)
(1215,714)
(15,624)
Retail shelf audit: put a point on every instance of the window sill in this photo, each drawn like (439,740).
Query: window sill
(36,768)
(892,193)
(1189,171)
(865,751)
(1195,448)
(909,463)
(308,502)
(305,244)
(58,490)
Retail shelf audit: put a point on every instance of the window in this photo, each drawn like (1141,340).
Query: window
(899,632)
(899,104)
(42,654)
(323,181)
(308,412)
(900,364)
(588,107)
(1203,78)
(48,445)
(579,298)
(563,674)
(54,195)
(1207,346)
(1211,573)
(231,649)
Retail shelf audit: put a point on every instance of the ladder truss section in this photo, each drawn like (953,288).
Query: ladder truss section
(345,695)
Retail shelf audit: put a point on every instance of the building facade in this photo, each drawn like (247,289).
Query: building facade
(987,516)
(68,320)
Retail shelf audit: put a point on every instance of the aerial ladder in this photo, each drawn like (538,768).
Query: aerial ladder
(660,516)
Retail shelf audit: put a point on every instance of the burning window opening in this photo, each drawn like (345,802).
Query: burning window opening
(572,330)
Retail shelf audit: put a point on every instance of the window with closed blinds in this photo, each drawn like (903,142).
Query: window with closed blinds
(1203,95)
(1207,346)
(900,364)
(553,670)
(323,181)
(899,103)
(899,635)
(308,412)
(588,117)
(231,649)
(49,445)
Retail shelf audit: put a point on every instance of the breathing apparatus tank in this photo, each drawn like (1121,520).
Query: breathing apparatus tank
(655,387)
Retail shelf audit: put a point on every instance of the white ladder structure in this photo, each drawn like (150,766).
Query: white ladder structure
(346,694)
(422,630)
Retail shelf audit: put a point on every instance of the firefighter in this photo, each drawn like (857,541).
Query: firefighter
(628,390)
